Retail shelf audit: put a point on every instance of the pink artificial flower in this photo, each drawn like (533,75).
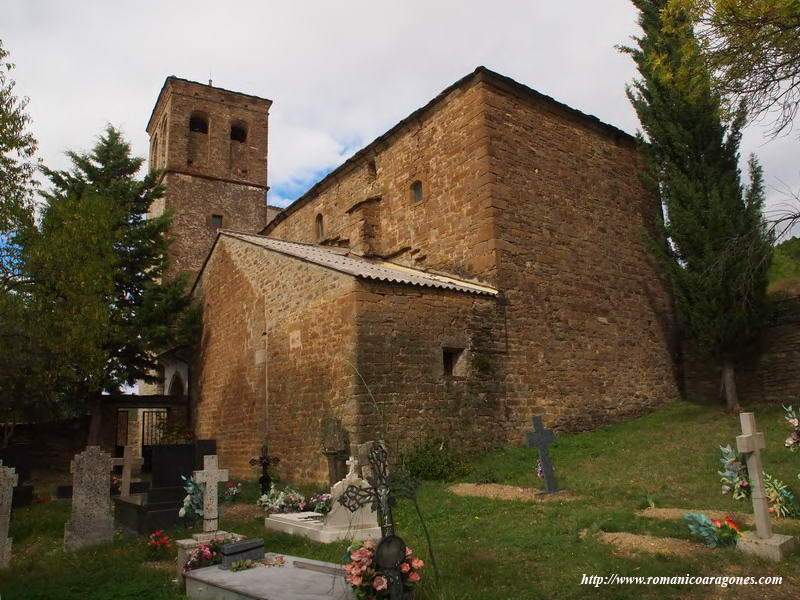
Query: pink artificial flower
(417,563)
(409,552)
(414,577)
(370,544)
(356,580)
(380,583)
(405,567)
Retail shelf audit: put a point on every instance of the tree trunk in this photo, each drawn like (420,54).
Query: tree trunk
(96,421)
(729,386)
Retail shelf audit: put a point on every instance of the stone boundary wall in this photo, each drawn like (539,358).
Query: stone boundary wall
(767,373)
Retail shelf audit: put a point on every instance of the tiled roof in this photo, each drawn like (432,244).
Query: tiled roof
(341,260)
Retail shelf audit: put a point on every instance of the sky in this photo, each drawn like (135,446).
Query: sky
(339,73)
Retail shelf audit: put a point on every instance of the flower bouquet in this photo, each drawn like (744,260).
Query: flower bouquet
(713,532)
(321,503)
(287,500)
(192,508)
(231,491)
(792,417)
(158,545)
(367,582)
(204,555)
(734,477)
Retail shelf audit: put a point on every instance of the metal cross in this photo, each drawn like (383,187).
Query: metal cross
(378,494)
(541,438)
(265,461)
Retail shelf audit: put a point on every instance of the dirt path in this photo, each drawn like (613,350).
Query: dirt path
(496,491)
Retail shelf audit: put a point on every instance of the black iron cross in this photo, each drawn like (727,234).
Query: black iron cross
(391,550)
(541,438)
(265,461)
(377,494)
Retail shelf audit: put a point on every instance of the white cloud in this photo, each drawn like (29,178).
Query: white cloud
(339,73)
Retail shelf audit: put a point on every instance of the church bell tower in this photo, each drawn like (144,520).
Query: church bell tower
(211,145)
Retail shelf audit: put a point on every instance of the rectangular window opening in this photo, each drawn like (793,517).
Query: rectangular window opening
(454,362)
(216,221)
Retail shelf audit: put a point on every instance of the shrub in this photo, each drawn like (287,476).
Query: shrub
(433,460)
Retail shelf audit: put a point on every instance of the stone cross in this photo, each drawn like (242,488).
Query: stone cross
(751,443)
(352,467)
(211,476)
(92,520)
(762,543)
(8,479)
(541,438)
(131,465)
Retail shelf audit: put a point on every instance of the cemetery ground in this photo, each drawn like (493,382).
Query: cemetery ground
(490,549)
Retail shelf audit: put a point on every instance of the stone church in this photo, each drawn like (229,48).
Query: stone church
(482,261)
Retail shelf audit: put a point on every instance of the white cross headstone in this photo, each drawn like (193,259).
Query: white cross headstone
(751,443)
(211,476)
(764,543)
(8,479)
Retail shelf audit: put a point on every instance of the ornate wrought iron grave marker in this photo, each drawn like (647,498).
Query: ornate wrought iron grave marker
(541,438)
(391,549)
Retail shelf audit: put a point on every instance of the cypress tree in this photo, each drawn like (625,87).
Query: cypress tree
(716,247)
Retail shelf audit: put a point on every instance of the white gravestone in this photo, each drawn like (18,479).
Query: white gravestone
(92,519)
(8,479)
(211,476)
(339,523)
(763,542)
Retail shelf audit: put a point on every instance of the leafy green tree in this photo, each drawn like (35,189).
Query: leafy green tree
(716,247)
(23,359)
(753,50)
(98,263)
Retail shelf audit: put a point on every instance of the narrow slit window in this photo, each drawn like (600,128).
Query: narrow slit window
(416,191)
(320,227)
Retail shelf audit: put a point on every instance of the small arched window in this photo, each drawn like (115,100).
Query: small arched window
(238,132)
(198,123)
(320,227)
(416,191)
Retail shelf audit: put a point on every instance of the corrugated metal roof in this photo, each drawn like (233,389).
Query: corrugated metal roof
(341,260)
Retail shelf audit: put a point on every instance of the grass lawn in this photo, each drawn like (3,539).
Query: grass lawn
(490,549)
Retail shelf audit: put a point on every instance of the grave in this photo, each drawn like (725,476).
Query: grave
(211,476)
(91,521)
(541,438)
(252,549)
(18,457)
(763,542)
(339,523)
(8,479)
(290,579)
(131,465)
(158,507)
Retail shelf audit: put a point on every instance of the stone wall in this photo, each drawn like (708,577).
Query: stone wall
(192,202)
(277,340)
(404,334)
(369,207)
(589,325)
(767,370)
